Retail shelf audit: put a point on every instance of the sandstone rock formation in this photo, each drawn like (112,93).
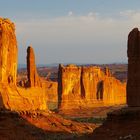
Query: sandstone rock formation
(8,52)
(88,87)
(114,91)
(133,83)
(91,82)
(11,96)
(33,79)
(69,86)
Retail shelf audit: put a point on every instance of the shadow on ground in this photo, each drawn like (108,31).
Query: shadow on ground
(122,125)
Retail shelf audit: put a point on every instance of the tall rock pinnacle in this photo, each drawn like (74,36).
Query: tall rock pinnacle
(33,78)
(133,82)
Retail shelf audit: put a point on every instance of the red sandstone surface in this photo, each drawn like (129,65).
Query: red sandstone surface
(81,87)
(33,79)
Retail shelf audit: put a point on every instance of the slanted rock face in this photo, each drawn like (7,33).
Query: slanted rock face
(88,87)
(8,52)
(133,82)
(33,79)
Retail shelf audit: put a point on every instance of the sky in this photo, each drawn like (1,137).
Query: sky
(73,31)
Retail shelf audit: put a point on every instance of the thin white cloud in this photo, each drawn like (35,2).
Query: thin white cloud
(128,13)
(93,14)
(70,13)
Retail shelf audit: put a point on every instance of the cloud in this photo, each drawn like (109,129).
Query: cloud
(70,13)
(128,13)
(131,15)
(93,14)
(90,38)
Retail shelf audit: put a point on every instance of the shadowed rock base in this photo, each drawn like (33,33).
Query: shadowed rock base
(123,124)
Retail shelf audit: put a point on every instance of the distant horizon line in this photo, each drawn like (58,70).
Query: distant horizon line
(23,65)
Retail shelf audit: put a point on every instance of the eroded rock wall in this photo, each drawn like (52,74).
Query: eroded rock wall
(88,87)
(91,79)
(114,92)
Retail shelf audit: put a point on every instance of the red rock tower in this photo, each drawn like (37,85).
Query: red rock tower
(133,82)
(33,78)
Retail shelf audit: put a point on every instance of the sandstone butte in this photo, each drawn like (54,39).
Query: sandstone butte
(88,87)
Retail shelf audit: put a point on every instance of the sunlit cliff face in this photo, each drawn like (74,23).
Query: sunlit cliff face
(88,87)
(8,52)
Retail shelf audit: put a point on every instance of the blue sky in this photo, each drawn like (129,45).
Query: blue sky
(73,31)
(19,9)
